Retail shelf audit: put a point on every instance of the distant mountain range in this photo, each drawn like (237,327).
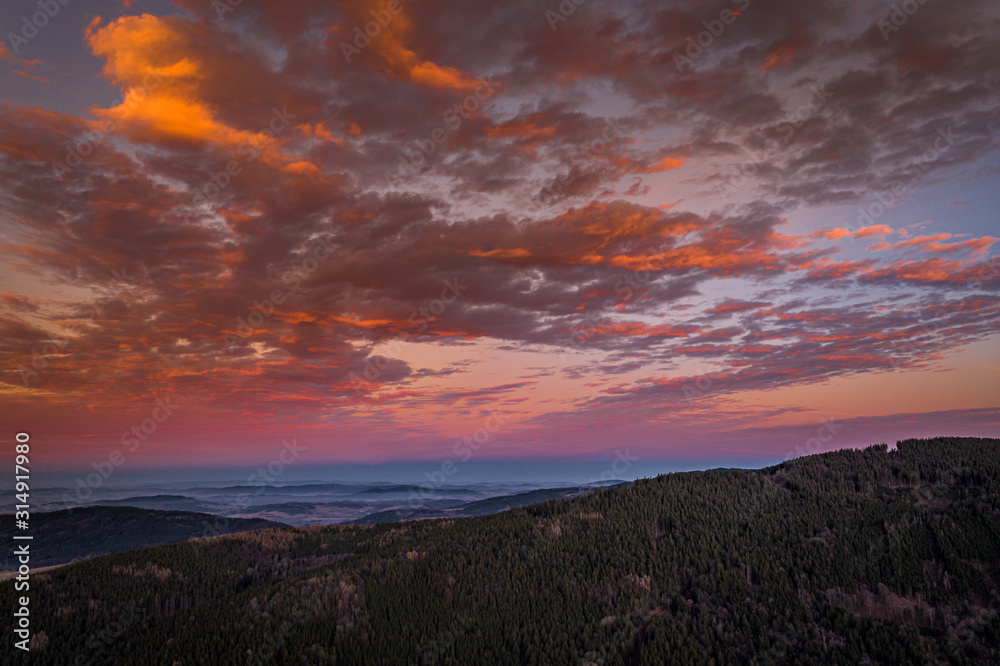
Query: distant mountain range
(326,503)
(165,503)
(112,526)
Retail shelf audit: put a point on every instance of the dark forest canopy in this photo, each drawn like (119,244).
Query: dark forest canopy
(855,556)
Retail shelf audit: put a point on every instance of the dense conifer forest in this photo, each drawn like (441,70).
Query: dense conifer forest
(852,557)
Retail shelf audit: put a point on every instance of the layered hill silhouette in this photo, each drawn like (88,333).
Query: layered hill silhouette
(850,557)
(64,536)
(477,508)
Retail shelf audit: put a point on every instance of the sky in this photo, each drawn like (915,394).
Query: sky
(457,231)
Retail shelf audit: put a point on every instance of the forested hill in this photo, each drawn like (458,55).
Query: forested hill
(75,534)
(852,557)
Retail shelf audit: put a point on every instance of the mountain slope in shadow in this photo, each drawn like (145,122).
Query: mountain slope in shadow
(60,537)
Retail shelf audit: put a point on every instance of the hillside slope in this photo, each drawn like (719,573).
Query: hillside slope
(481,507)
(841,558)
(74,534)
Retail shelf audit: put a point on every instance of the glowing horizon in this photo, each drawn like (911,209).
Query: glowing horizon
(226,228)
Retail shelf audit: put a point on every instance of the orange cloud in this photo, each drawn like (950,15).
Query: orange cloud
(43,79)
(933,244)
(929,270)
(738,306)
(666,164)
(527,132)
(829,269)
(923,271)
(863,232)
(779,57)
(636,238)
(919,240)
(151,59)
(389,46)
(513,253)
(303,169)
(639,329)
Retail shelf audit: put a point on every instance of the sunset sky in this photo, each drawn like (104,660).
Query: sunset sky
(696,230)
